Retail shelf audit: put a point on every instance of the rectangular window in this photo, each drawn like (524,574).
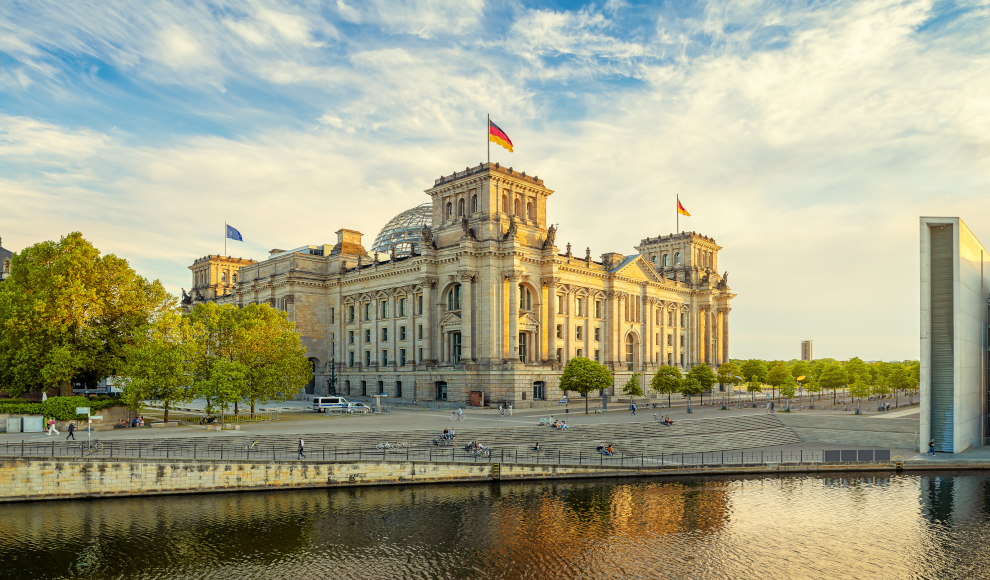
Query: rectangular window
(560,354)
(682,359)
(598,334)
(367,311)
(385,334)
(580,306)
(367,335)
(670,340)
(402,333)
(420,297)
(682,340)
(332,319)
(683,319)
(580,353)
(350,359)
(421,355)
(658,338)
(350,314)
(350,337)
(367,358)
(402,357)
(420,331)
(560,304)
(384,357)
(598,308)
(670,318)
(577,332)
(560,331)
(596,355)
(383,313)
(402,306)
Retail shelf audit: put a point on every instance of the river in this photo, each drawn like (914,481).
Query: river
(928,526)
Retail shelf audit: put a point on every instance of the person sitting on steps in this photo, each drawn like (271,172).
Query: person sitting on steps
(536,446)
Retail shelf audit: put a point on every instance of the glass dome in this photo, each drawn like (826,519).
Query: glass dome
(403,230)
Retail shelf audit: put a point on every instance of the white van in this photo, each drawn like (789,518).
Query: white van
(321,404)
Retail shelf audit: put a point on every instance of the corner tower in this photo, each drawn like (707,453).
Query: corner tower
(484,202)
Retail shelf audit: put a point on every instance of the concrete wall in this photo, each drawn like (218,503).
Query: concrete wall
(45,478)
(971,283)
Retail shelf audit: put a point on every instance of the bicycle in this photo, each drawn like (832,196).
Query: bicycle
(546,421)
(97,445)
(383,445)
(249,447)
(486,453)
(455,416)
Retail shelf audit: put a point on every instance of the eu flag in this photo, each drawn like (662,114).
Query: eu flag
(233,234)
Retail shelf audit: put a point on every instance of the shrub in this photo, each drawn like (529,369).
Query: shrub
(61,408)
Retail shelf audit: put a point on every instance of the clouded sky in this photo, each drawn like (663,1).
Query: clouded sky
(806,138)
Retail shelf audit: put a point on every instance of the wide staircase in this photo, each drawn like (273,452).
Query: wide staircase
(685,436)
(861,430)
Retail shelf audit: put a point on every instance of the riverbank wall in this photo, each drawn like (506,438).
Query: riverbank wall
(41,478)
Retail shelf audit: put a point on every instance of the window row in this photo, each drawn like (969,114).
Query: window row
(383,360)
(383,310)
(384,334)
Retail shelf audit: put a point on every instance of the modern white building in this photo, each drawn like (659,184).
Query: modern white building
(955,281)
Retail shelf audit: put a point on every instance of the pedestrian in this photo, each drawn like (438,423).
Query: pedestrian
(633,407)
(501,411)
(768,406)
(772,409)
(72,431)
(301,454)
(510,409)
(51,427)
(931,447)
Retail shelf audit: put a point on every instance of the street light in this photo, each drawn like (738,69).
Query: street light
(799,379)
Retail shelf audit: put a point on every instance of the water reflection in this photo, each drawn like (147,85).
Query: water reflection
(797,527)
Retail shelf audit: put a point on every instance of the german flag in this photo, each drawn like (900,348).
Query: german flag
(681,210)
(496,135)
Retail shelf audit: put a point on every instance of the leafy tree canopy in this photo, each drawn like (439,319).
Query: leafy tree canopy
(754,370)
(704,375)
(584,376)
(666,381)
(632,386)
(777,373)
(66,310)
(728,372)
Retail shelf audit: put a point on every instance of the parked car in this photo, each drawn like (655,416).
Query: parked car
(354,407)
(321,404)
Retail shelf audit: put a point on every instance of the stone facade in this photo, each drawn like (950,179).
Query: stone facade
(488,303)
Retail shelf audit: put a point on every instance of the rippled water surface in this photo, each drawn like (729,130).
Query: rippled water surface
(795,527)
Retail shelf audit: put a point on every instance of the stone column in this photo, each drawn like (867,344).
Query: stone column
(551,318)
(466,307)
(513,317)
(427,319)
(645,345)
(725,334)
(614,325)
(568,326)
(411,325)
(675,329)
(706,319)
(359,345)
(375,331)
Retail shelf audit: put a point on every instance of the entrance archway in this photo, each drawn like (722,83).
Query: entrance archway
(311,385)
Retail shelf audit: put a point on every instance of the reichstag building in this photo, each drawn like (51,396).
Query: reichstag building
(469,296)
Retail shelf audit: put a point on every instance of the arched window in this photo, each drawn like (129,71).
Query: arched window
(666,260)
(654,260)
(525,298)
(233,278)
(460,208)
(630,349)
(515,208)
(454,298)
(450,210)
(505,204)
(677,258)
(474,204)
(529,211)
(223,277)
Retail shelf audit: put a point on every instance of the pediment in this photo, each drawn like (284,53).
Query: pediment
(640,269)
(527,319)
(451,319)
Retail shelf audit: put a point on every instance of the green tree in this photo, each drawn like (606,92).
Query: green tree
(800,368)
(832,377)
(584,376)
(67,311)
(632,387)
(705,377)
(777,374)
(860,389)
(728,374)
(159,364)
(754,370)
(855,369)
(690,387)
(754,387)
(220,377)
(789,387)
(666,381)
(221,385)
(272,354)
(900,379)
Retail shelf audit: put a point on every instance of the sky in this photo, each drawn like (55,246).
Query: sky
(806,137)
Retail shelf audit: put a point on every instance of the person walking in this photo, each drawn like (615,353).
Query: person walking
(501,411)
(51,427)
(931,447)
(301,454)
(510,409)
(633,407)
(72,431)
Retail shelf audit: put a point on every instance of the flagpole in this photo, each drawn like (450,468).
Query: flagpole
(224,238)
(677,210)
(488,139)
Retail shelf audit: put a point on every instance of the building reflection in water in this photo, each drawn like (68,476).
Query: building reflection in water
(852,527)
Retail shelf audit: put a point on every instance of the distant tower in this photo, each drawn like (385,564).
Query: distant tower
(806,350)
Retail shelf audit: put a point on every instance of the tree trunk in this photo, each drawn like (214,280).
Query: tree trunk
(166,413)
(252,409)
(65,389)
(586,397)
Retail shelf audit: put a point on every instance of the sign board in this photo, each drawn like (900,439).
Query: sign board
(563,400)
(82,410)
(97,417)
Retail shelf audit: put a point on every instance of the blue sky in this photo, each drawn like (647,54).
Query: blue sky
(805,137)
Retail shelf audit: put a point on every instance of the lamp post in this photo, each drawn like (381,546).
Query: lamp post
(799,379)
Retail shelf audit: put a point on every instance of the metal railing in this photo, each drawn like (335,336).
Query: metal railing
(281,452)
